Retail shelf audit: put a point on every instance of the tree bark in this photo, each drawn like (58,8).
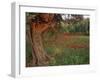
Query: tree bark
(41,58)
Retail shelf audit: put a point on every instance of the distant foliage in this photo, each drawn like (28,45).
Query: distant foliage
(81,27)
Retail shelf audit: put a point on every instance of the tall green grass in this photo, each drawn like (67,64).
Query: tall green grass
(68,56)
(61,54)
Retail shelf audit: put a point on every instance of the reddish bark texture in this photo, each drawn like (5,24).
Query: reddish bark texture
(40,57)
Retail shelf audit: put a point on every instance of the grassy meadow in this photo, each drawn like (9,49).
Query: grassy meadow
(64,49)
(67,49)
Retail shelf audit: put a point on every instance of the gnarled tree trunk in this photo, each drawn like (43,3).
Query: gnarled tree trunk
(40,57)
(40,54)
